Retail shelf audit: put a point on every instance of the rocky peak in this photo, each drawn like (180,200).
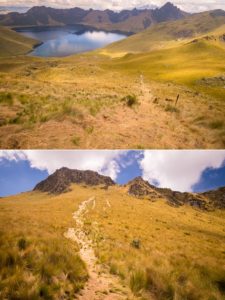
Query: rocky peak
(60,181)
(138,187)
(168,12)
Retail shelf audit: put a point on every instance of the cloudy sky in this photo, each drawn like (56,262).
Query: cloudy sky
(187,5)
(179,170)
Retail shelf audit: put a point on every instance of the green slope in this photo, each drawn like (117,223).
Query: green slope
(12,43)
(169,34)
(187,64)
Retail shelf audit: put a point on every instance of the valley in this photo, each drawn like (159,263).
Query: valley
(78,101)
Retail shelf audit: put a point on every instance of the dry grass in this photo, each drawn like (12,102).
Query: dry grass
(36,261)
(54,97)
(55,103)
(181,253)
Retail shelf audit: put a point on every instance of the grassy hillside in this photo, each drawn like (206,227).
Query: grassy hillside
(78,101)
(36,261)
(186,64)
(158,251)
(12,43)
(169,34)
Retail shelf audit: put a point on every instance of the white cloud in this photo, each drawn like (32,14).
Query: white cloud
(188,5)
(176,169)
(179,170)
(100,161)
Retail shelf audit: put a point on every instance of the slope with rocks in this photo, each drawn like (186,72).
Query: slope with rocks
(60,180)
(216,197)
(151,250)
(204,201)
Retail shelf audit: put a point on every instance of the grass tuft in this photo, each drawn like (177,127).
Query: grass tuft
(6,98)
(137,281)
(172,109)
(216,124)
(76,140)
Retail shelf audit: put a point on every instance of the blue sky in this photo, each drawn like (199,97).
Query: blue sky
(179,170)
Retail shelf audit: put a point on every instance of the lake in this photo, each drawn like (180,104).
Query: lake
(68,40)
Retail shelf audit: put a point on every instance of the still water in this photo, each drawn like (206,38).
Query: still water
(68,40)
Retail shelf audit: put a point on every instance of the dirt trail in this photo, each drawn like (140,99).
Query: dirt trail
(100,285)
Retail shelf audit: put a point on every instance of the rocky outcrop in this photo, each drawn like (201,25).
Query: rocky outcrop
(216,197)
(177,199)
(60,181)
(204,201)
(141,188)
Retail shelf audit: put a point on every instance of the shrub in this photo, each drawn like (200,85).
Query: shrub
(130,100)
(171,108)
(76,141)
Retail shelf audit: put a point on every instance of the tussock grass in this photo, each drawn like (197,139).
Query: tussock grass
(36,261)
(137,281)
(76,140)
(172,109)
(217,124)
(170,264)
(6,98)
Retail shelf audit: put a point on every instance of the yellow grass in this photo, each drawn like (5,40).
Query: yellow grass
(181,252)
(77,101)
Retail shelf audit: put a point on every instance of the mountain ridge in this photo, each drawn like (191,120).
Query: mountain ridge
(59,182)
(126,20)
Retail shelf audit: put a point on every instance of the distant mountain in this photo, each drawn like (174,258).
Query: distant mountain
(140,188)
(163,35)
(60,181)
(8,9)
(127,20)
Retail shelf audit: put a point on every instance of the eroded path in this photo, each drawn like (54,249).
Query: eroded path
(101,285)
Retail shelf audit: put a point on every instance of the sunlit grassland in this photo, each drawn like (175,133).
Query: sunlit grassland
(185,65)
(13,44)
(78,101)
(36,261)
(181,254)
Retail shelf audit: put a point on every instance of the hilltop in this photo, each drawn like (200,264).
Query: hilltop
(60,181)
(127,20)
(120,242)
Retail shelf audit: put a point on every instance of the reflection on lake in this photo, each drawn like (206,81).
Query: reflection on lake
(64,41)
